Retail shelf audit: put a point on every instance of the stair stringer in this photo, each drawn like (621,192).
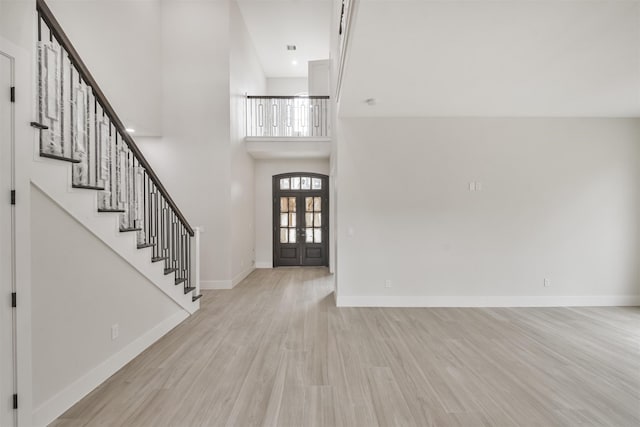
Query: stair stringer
(54,178)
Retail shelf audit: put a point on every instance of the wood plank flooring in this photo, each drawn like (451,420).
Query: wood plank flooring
(275,351)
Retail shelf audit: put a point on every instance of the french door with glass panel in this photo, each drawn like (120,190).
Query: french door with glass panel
(300,220)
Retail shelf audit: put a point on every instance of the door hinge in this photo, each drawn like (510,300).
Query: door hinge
(13,197)
(13,94)
(15,401)
(14,299)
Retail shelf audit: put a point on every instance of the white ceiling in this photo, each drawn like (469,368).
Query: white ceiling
(494,58)
(273,24)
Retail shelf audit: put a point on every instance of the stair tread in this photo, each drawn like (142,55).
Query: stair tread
(196,297)
(146,245)
(112,210)
(87,187)
(180,280)
(189,289)
(170,270)
(159,258)
(125,230)
(56,157)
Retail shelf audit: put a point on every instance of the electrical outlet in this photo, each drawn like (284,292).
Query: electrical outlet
(115,332)
(472,186)
(387,283)
(547,283)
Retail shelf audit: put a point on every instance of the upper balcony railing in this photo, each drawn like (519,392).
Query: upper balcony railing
(288,116)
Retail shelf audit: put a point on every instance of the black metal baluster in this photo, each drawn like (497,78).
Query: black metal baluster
(132,193)
(62,103)
(72,111)
(118,171)
(165,234)
(148,216)
(170,238)
(40,76)
(180,263)
(129,190)
(185,249)
(156,241)
(160,227)
(173,240)
(179,251)
(111,174)
(143,183)
(124,172)
(146,209)
(96,139)
(186,258)
(189,266)
(87,127)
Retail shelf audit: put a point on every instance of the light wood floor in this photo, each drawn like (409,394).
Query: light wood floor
(276,351)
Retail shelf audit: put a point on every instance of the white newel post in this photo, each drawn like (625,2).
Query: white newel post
(196,259)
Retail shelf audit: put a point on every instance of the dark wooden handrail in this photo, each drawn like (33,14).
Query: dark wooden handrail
(56,30)
(287,97)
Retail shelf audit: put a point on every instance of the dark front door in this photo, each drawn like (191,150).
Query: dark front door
(300,219)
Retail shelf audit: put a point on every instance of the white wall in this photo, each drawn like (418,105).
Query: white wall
(17,18)
(285,86)
(319,77)
(246,76)
(80,289)
(560,200)
(120,43)
(265,169)
(192,157)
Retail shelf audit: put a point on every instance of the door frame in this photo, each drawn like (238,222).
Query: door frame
(9,353)
(25,141)
(276,192)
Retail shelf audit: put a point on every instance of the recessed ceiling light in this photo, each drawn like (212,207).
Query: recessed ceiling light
(294,62)
(130,130)
(291,47)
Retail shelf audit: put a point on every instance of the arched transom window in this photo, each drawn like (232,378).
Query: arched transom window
(300,183)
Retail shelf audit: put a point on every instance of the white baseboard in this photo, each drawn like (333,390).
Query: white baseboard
(215,284)
(241,276)
(225,284)
(488,301)
(58,404)
(264,265)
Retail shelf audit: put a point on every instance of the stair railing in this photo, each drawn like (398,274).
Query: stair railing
(78,124)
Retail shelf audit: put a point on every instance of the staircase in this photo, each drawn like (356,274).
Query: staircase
(90,165)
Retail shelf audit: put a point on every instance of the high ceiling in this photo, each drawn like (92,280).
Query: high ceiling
(274,24)
(494,58)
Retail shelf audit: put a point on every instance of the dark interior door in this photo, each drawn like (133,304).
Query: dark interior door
(300,220)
